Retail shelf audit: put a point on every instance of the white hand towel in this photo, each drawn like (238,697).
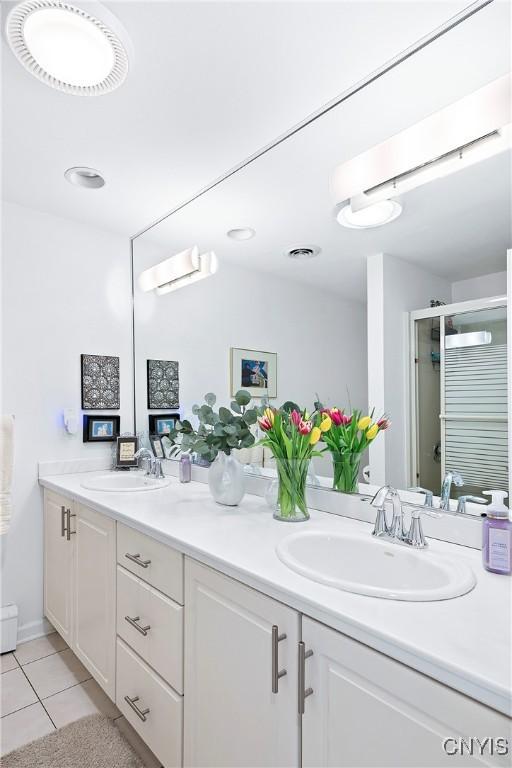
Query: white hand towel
(6,465)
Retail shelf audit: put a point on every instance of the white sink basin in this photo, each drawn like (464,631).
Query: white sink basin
(124,481)
(368,566)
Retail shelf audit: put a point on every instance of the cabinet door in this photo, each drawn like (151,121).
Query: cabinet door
(369,710)
(95,595)
(232,716)
(58,564)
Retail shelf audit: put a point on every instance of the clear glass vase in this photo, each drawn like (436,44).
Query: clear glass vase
(226,480)
(291,506)
(346,471)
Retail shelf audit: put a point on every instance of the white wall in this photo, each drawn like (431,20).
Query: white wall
(66,291)
(494,284)
(320,339)
(395,287)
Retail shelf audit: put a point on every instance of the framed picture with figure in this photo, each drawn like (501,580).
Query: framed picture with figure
(100,429)
(253,371)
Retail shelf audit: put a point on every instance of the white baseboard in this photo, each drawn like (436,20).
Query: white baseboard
(34,629)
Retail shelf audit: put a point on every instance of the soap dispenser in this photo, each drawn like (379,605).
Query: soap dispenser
(497,535)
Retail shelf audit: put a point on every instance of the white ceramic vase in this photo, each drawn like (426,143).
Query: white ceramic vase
(226,480)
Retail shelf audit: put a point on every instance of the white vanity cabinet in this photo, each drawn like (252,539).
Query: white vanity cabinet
(366,709)
(80,583)
(238,712)
(59,547)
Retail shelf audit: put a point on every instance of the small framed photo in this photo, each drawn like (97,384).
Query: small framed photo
(254,371)
(162,423)
(156,445)
(127,447)
(101,429)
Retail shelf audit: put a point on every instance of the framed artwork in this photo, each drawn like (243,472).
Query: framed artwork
(100,383)
(254,371)
(101,429)
(156,445)
(162,423)
(163,384)
(127,447)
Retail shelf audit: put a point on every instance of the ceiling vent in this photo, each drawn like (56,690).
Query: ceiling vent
(303,252)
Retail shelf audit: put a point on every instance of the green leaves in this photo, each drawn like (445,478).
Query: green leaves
(242,397)
(224,430)
(210,398)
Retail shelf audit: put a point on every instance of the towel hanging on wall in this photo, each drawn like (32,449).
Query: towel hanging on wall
(6,466)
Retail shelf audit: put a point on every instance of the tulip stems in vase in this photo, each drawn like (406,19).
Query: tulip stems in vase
(291,498)
(346,472)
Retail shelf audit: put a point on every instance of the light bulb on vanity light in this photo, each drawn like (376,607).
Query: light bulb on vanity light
(179,270)
(374,215)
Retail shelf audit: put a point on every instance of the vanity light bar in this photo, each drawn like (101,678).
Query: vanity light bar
(183,268)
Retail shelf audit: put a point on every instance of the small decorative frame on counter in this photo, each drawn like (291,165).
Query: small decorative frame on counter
(127,447)
(100,383)
(101,429)
(162,423)
(157,447)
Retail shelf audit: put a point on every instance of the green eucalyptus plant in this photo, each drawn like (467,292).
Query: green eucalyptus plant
(218,431)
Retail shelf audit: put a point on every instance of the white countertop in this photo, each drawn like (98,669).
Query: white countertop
(465,642)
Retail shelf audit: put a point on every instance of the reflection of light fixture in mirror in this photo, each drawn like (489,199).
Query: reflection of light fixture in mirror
(179,270)
(241,233)
(67,47)
(373,216)
(472,339)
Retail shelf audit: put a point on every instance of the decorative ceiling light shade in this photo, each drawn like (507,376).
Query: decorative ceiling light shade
(68,48)
(464,133)
(179,270)
(241,233)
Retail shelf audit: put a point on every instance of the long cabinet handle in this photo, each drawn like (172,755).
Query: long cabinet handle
(303,691)
(277,674)
(139,712)
(133,623)
(68,527)
(63,521)
(137,559)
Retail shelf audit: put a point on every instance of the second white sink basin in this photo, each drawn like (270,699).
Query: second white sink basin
(125,481)
(368,566)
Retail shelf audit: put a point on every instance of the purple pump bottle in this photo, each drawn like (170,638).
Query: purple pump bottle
(497,535)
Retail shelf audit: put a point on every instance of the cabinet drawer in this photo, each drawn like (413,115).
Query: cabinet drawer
(160,710)
(158,634)
(159,565)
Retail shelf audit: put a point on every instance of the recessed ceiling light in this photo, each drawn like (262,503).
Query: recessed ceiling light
(373,216)
(241,233)
(303,252)
(85,177)
(67,48)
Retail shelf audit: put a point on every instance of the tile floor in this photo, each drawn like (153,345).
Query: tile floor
(43,687)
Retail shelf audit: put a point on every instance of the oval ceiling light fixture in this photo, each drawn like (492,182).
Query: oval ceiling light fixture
(303,252)
(85,177)
(69,48)
(373,216)
(241,233)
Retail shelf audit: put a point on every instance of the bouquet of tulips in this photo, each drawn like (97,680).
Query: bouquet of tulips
(292,436)
(349,436)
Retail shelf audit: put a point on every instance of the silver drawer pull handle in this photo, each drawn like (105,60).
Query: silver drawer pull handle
(277,674)
(68,529)
(303,691)
(136,559)
(63,520)
(133,623)
(139,712)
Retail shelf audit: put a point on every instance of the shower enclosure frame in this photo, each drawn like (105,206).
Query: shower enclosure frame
(442,311)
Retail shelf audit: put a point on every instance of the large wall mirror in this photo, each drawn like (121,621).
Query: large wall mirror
(407,319)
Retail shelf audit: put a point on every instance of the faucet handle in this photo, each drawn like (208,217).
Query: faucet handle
(429,495)
(461,503)
(415,536)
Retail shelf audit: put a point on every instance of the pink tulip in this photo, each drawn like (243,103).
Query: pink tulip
(345,420)
(295,417)
(305,427)
(383,423)
(265,424)
(336,417)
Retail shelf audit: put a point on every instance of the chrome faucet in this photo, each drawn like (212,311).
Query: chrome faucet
(461,502)
(146,459)
(429,495)
(449,478)
(396,532)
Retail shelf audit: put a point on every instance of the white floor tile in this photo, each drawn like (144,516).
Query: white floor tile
(24,726)
(7,662)
(135,741)
(79,701)
(55,673)
(39,648)
(16,692)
